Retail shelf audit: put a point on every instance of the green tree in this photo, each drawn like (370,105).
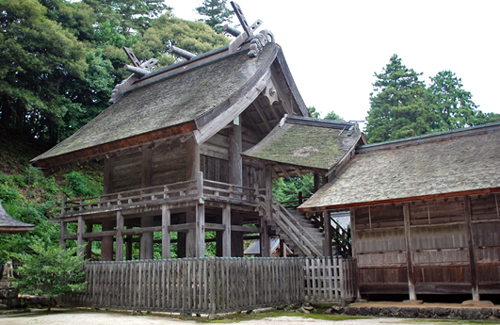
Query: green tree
(313,112)
(397,105)
(333,116)
(50,271)
(216,13)
(39,60)
(451,103)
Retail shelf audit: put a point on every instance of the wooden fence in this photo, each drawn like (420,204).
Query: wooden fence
(204,286)
(330,279)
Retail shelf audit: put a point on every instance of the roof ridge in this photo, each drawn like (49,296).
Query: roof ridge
(431,137)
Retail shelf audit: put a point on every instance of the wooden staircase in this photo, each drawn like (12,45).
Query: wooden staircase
(302,235)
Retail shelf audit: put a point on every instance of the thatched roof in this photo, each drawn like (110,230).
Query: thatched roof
(308,142)
(460,162)
(178,99)
(9,224)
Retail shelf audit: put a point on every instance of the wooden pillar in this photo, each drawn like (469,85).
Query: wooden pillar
(235,148)
(108,175)
(265,243)
(282,248)
(146,241)
(88,248)
(226,235)
(353,247)
(79,235)
(193,159)
(327,242)
(316,182)
(107,242)
(165,233)
(62,234)
(409,257)
(200,229)
(269,191)
(119,236)
(236,236)
(191,234)
(128,248)
(470,243)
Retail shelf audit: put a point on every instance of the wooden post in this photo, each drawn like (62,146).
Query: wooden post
(200,230)
(236,236)
(193,158)
(79,236)
(146,241)
(128,251)
(62,234)
(119,236)
(409,258)
(301,197)
(165,233)
(470,243)
(353,247)
(327,242)
(269,191)
(265,244)
(107,242)
(316,182)
(88,248)
(226,237)
(235,148)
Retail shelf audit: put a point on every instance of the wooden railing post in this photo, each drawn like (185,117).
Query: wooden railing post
(199,183)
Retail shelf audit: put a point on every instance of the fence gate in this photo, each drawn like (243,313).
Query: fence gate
(330,279)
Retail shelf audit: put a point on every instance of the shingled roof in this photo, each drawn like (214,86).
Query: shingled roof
(175,100)
(9,224)
(460,162)
(312,143)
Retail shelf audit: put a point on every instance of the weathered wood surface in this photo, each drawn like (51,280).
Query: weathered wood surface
(160,195)
(330,279)
(453,243)
(205,285)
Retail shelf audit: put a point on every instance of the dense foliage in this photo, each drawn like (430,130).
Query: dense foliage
(50,271)
(60,60)
(401,106)
(215,13)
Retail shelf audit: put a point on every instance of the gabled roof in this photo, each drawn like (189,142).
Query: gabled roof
(192,96)
(459,162)
(9,224)
(307,142)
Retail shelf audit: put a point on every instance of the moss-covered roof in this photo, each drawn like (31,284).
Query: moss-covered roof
(307,142)
(440,165)
(9,224)
(171,100)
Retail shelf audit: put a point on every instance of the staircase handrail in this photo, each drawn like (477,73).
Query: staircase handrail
(291,227)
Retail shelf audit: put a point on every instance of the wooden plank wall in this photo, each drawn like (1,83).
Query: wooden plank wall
(438,245)
(168,166)
(206,285)
(330,279)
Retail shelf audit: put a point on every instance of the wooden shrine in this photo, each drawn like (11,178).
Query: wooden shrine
(424,213)
(172,144)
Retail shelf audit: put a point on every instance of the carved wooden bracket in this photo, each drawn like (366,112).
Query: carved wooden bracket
(259,41)
(271,93)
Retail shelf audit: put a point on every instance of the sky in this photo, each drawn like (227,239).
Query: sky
(334,48)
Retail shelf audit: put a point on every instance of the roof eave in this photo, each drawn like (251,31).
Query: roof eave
(398,200)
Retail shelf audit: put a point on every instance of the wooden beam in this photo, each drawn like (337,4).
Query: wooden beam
(119,236)
(165,233)
(182,226)
(146,244)
(193,159)
(409,258)
(262,116)
(283,170)
(354,241)
(470,243)
(245,229)
(265,244)
(108,175)
(107,241)
(226,236)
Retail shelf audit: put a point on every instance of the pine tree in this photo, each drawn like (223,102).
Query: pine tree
(398,108)
(216,13)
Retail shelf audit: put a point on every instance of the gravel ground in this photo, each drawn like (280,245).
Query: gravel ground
(101,318)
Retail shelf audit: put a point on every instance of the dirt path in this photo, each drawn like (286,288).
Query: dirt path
(80,318)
